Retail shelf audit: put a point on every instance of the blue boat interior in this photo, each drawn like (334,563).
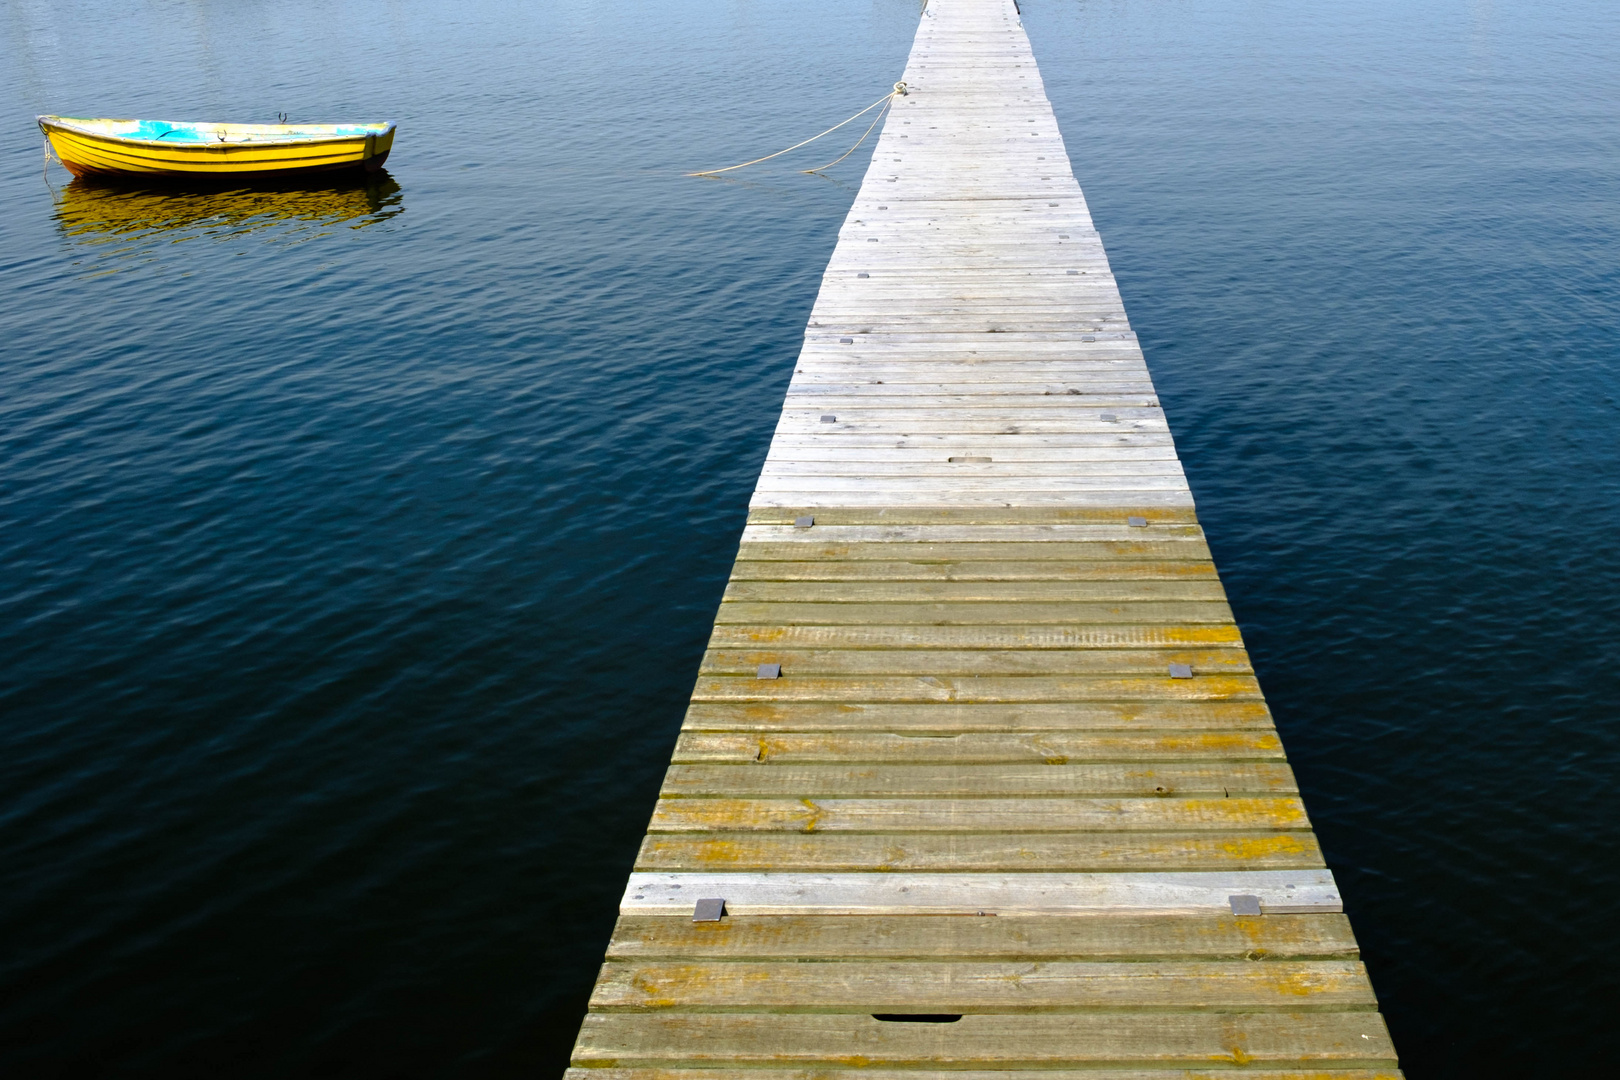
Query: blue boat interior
(168,131)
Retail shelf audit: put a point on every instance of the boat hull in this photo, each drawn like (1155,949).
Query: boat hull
(86,153)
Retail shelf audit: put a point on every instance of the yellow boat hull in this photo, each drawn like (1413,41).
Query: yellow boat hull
(216,150)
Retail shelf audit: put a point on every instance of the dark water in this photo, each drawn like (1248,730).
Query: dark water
(358,544)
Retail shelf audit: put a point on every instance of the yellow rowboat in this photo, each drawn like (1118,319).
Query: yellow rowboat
(158,148)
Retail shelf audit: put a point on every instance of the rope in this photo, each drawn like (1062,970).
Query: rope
(898,91)
(45,166)
(881,114)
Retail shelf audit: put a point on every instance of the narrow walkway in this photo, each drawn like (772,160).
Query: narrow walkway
(1014,800)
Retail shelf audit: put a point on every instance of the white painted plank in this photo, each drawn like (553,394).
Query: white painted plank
(1189,893)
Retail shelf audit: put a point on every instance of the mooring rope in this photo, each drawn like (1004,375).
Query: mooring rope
(875,121)
(898,91)
(45,167)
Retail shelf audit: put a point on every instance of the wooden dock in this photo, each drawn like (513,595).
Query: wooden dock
(1013,800)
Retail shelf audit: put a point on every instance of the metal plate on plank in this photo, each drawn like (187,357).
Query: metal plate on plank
(710,909)
(1244,904)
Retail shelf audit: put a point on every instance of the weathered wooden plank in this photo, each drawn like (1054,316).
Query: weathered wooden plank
(838,358)
(969,613)
(763,742)
(987,346)
(1089,301)
(980,852)
(999,937)
(942,719)
(1010,421)
(1091,295)
(1189,1040)
(1008,476)
(1099,398)
(988,689)
(1033,412)
(979,662)
(983,814)
(967,987)
(1089,450)
(824,1073)
(978,570)
(1180,523)
(806,446)
(1222,779)
(1220,637)
(859,312)
(926,533)
(819,547)
(935,479)
(986,498)
(826,478)
(1003,402)
(904,380)
(1066,497)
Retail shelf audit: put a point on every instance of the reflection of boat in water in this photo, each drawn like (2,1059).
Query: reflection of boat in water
(92,211)
(162,148)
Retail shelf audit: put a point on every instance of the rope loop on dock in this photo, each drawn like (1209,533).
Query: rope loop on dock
(884,101)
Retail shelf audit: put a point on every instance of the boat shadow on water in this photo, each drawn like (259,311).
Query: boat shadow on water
(95,212)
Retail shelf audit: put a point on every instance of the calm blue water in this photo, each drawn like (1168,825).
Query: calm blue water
(358,545)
